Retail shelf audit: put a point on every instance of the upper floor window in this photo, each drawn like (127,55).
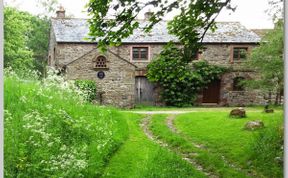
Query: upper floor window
(100,62)
(140,53)
(239,53)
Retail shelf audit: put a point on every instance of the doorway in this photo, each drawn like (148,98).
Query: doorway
(211,94)
(144,91)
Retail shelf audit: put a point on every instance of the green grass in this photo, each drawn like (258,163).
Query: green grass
(48,132)
(199,108)
(211,161)
(225,135)
(139,157)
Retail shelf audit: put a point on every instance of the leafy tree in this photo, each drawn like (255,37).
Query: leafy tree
(267,61)
(180,82)
(195,14)
(16,27)
(48,7)
(276,10)
(39,41)
(26,40)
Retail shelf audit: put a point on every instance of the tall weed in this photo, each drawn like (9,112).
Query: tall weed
(50,131)
(267,151)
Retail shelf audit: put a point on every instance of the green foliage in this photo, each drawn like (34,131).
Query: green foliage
(49,132)
(88,87)
(179,81)
(267,61)
(26,40)
(195,14)
(39,41)
(268,151)
(16,27)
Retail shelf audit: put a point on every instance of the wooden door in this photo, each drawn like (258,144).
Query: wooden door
(144,91)
(211,94)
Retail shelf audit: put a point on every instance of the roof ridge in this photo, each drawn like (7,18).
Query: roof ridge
(76,29)
(143,20)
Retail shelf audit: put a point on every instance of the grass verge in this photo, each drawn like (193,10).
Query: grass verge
(139,157)
(49,133)
(226,136)
(211,161)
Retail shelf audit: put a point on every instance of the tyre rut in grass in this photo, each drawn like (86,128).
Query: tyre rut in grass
(170,124)
(145,126)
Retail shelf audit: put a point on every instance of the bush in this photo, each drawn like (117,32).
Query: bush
(267,151)
(180,81)
(50,132)
(88,87)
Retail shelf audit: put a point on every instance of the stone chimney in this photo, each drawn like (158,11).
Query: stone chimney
(147,15)
(61,12)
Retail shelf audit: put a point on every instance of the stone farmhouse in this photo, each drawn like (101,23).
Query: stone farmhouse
(120,72)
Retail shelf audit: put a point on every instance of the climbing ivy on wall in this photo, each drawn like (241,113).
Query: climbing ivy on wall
(180,80)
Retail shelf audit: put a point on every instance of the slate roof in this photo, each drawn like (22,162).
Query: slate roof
(76,30)
(261,32)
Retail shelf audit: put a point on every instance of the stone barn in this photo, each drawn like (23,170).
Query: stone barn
(120,72)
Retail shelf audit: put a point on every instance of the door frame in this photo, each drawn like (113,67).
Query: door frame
(218,95)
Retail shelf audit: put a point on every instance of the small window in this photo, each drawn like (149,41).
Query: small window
(140,53)
(100,62)
(240,53)
(237,84)
(196,55)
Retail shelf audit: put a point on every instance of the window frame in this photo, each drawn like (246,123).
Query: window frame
(95,60)
(232,53)
(197,56)
(140,46)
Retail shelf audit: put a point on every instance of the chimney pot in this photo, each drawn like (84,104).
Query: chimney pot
(61,12)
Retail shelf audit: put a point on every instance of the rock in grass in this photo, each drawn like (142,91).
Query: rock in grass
(253,125)
(238,113)
(269,111)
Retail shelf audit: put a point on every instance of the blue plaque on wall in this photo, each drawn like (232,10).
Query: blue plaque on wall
(100,74)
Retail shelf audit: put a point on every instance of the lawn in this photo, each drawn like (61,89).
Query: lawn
(140,157)
(222,136)
(50,131)
(199,108)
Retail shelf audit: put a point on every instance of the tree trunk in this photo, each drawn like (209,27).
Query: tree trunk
(277,98)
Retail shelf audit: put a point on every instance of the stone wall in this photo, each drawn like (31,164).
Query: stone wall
(228,97)
(118,86)
(52,46)
(220,54)
(124,51)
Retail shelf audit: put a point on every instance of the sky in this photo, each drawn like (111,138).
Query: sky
(250,13)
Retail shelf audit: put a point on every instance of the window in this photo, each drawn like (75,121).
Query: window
(140,53)
(239,53)
(196,55)
(100,62)
(237,84)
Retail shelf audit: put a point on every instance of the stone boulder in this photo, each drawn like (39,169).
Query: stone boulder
(269,111)
(238,113)
(253,125)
